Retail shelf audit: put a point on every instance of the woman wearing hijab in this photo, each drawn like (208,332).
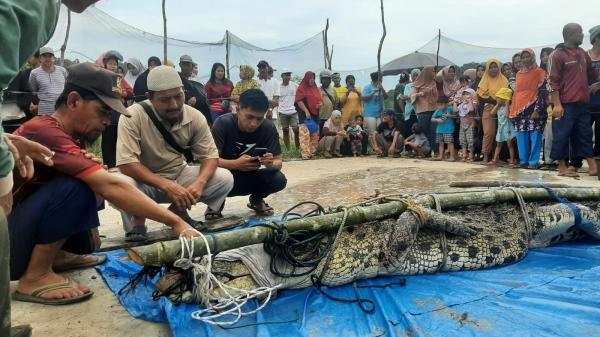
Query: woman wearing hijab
(134,69)
(333,135)
(350,100)
(528,110)
(246,82)
(490,83)
(218,91)
(423,97)
(447,83)
(308,102)
(409,115)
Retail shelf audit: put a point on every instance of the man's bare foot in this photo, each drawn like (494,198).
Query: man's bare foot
(64,257)
(27,285)
(438,158)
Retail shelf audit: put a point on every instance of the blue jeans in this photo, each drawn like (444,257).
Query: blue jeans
(529,144)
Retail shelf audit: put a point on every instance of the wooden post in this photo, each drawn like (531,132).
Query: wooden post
(63,48)
(379,58)
(437,54)
(227,42)
(164,14)
(330,58)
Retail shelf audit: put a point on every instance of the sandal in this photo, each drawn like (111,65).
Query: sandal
(261,208)
(136,237)
(36,294)
(211,214)
(79,262)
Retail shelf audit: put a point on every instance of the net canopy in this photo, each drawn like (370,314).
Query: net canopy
(94,32)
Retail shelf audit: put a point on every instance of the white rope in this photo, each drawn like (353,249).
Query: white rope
(205,282)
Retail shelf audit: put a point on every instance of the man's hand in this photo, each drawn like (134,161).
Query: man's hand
(181,197)
(319,105)
(594,88)
(24,151)
(192,101)
(558,111)
(266,159)
(93,157)
(341,133)
(535,115)
(245,163)
(196,188)
(185,230)
(33,109)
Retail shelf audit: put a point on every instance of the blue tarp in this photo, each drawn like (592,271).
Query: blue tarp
(554,291)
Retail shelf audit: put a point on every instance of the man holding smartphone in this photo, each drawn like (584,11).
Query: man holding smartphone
(249,147)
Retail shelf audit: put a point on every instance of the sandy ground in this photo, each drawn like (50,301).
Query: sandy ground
(330,182)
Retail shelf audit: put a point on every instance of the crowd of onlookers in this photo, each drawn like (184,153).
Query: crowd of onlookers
(496,112)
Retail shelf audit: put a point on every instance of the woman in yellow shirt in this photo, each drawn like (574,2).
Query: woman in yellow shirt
(350,100)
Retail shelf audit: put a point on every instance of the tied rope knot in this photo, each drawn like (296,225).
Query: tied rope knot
(417,209)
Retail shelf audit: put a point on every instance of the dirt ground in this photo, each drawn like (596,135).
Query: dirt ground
(330,182)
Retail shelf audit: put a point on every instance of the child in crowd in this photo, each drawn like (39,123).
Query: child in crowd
(506,132)
(360,121)
(417,144)
(444,117)
(355,136)
(465,107)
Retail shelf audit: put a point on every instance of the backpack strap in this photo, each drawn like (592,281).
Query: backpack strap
(168,137)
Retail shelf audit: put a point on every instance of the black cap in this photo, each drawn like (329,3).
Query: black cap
(101,82)
(262,64)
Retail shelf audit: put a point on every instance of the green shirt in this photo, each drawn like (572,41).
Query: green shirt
(26,26)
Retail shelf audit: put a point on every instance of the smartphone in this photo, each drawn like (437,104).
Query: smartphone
(259,151)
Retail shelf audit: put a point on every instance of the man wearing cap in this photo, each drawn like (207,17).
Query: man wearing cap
(269,86)
(288,117)
(329,96)
(155,166)
(55,212)
(48,81)
(249,147)
(27,24)
(195,95)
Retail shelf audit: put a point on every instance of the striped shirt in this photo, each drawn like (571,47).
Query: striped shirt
(49,86)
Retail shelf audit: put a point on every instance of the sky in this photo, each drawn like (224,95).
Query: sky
(355,26)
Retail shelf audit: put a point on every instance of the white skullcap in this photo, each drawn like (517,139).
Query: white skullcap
(163,78)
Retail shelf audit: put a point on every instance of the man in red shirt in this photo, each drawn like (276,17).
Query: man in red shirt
(56,210)
(569,68)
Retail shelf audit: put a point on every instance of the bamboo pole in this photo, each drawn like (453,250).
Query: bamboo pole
(437,53)
(164,14)
(63,48)
(470,183)
(162,253)
(227,42)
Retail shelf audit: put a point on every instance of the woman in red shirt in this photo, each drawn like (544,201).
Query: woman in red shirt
(218,90)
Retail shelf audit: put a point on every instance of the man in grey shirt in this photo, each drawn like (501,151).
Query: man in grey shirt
(48,81)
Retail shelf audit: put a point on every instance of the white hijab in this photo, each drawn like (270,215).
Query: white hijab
(129,77)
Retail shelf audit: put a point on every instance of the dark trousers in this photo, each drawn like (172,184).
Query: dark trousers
(257,184)
(4,277)
(109,145)
(64,208)
(424,120)
(574,129)
(595,119)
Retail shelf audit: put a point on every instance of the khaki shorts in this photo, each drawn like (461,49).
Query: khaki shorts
(288,121)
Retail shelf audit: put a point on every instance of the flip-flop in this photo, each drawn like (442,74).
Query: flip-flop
(78,262)
(266,211)
(136,237)
(35,296)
